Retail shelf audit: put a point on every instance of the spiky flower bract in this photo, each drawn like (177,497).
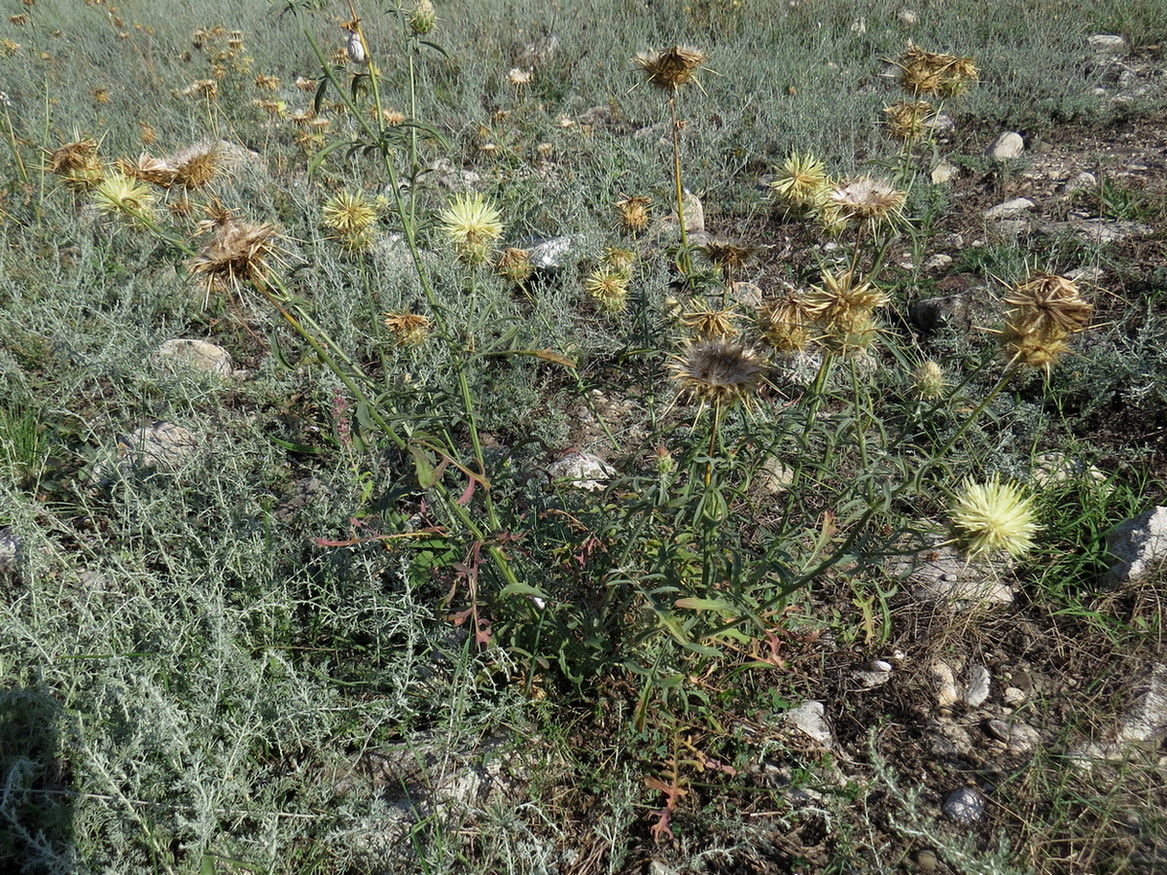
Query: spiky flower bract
(842,297)
(408,329)
(351,216)
(238,252)
(801,181)
(514,265)
(923,72)
(908,119)
(868,200)
(929,381)
(196,165)
(993,517)
(472,224)
(423,17)
(118,193)
(608,287)
(77,164)
(671,68)
(785,325)
(634,212)
(708,323)
(728,256)
(718,372)
(1050,302)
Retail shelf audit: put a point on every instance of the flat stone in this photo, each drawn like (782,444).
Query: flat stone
(199,355)
(944,172)
(1023,738)
(552,253)
(1008,145)
(938,263)
(160,445)
(582,471)
(1105,230)
(945,574)
(997,729)
(1147,719)
(1107,43)
(1084,181)
(1010,209)
(926,860)
(930,314)
(965,805)
(808,718)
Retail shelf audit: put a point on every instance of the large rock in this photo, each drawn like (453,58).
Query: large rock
(1137,544)
(1008,145)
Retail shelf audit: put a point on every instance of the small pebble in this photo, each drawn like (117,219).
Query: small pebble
(997,729)
(965,805)
(926,860)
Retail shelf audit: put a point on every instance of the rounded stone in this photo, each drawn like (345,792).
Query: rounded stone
(199,355)
(1008,145)
(964,805)
(926,860)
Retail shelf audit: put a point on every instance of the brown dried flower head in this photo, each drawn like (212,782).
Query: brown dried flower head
(868,200)
(923,72)
(621,259)
(238,252)
(1050,302)
(718,372)
(1026,347)
(908,119)
(842,301)
(77,164)
(408,329)
(728,256)
(634,212)
(671,68)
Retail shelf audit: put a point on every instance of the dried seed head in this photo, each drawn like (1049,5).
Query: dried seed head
(1049,302)
(514,265)
(77,164)
(671,68)
(265,82)
(709,324)
(634,212)
(729,257)
(238,252)
(785,325)
(408,329)
(801,181)
(1026,346)
(621,259)
(923,72)
(908,119)
(868,200)
(992,517)
(148,169)
(608,287)
(718,372)
(853,335)
(842,299)
(519,78)
(472,224)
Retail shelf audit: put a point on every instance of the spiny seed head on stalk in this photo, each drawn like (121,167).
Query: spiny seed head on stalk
(842,297)
(155,171)
(634,212)
(671,68)
(118,193)
(472,224)
(718,372)
(1026,346)
(923,72)
(238,252)
(868,200)
(351,215)
(728,256)
(196,165)
(423,17)
(993,517)
(621,259)
(801,181)
(408,329)
(853,335)
(608,287)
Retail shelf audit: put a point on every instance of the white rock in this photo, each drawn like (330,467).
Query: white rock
(908,17)
(1010,209)
(1023,738)
(1147,720)
(938,262)
(1008,145)
(808,717)
(775,475)
(1087,273)
(200,355)
(553,253)
(158,445)
(1107,43)
(944,574)
(979,681)
(944,172)
(582,471)
(1137,544)
(947,693)
(1084,181)
(965,805)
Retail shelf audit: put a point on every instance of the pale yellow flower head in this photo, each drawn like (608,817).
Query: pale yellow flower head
(472,224)
(993,517)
